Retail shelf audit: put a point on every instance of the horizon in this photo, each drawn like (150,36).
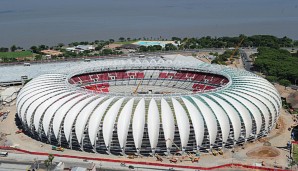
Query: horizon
(50,23)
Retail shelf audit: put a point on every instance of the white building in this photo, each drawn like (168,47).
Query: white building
(81,48)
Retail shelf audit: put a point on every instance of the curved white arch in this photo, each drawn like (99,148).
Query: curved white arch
(221,116)
(62,112)
(182,121)
(124,122)
(153,123)
(209,118)
(168,123)
(254,111)
(31,110)
(197,121)
(72,114)
(95,119)
(50,112)
(138,123)
(261,103)
(83,117)
(242,111)
(37,117)
(109,121)
(27,105)
(232,113)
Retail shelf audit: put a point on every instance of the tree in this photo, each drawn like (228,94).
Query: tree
(60,45)
(143,49)
(13,48)
(121,39)
(284,82)
(3,49)
(272,78)
(112,40)
(38,57)
(34,49)
(107,51)
(170,46)
(50,159)
(47,164)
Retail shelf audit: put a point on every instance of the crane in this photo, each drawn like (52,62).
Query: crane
(136,90)
(236,48)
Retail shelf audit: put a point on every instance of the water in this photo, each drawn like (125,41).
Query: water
(30,22)
(152,43)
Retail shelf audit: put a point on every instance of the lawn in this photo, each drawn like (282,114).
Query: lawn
(295,152)
(16,54)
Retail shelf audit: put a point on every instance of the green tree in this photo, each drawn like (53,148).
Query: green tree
(34,49)
(50,159)
(13,48)
(107,51)
(38,57)
(271,78)
(60,44)
(112,40)
(284,82)
(121,39)
(143,49)
(3,49)
(47,164)
(170,46)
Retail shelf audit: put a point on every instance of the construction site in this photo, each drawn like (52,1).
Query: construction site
(269,151)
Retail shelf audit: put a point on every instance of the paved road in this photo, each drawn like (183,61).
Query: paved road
(246,60)
(17,158)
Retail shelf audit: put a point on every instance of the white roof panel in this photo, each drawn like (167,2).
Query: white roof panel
(83,117)
(123,122)
(153,123)
(197,121)
(168,123)
(72,115)
(182,121)
(95,119)
(109,121)
(138,123)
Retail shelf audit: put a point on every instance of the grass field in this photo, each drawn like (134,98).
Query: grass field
(295,152)
(16,54)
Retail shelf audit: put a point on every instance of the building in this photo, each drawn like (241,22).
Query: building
(149,106)
(81,48)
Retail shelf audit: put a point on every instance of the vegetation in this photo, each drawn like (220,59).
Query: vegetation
(295,152)
(12,56)
(226,42)
(277,64)
(184,43)
(49,162)
(221,59)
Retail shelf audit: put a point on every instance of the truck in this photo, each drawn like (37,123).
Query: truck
(57,148)
(3,154)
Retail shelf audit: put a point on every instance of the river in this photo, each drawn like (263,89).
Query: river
(34,22)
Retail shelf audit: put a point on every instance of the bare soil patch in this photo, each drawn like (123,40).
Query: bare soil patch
(263,151)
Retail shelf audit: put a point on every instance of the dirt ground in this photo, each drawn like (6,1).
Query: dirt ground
(264,151)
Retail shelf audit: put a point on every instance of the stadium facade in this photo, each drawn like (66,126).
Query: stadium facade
(149,106)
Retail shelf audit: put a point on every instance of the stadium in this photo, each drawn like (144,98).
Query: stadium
(148,106)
